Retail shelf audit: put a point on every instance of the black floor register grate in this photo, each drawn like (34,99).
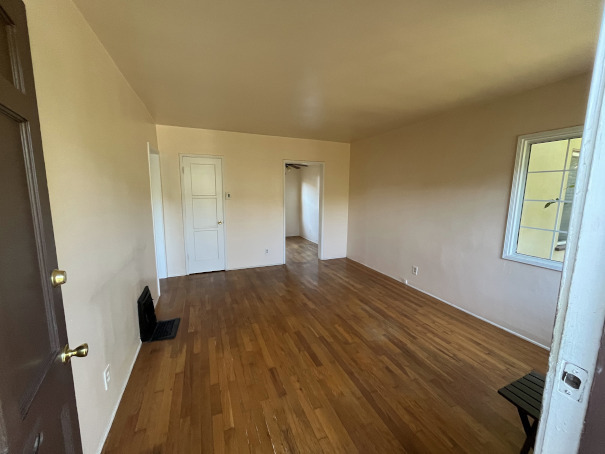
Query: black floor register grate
(151,329)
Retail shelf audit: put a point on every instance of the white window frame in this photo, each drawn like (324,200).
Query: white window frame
(517,192)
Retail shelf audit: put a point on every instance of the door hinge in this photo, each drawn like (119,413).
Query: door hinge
(183,170)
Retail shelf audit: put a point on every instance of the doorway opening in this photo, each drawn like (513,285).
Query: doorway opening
(303,211)
(157,210)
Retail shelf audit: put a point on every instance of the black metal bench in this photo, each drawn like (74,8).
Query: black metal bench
(526,395)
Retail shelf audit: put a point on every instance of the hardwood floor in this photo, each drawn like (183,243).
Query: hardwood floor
(299,250)
(319,356)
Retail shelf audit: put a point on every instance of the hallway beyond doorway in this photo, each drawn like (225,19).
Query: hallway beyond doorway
(300,250)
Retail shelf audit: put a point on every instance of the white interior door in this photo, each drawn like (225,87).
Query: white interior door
(202,188)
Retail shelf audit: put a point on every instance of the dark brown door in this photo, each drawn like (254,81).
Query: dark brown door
(37,402)
(593,436)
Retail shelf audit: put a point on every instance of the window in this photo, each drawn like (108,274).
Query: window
(541,197)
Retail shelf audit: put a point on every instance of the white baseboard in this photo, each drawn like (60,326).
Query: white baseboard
(508,330)
(481,318)
(254,266)
(308,239)
(334,257)
(115,410)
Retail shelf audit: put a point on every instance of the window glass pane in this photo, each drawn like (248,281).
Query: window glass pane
(536,243)
(569,182)
(536,214)
(548,156)
(574,152)
(563,219)
(558,253)
(569,185)
(543,186)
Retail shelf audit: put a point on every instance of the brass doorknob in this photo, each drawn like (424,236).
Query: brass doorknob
(81,351)
(58,277)
(219,222)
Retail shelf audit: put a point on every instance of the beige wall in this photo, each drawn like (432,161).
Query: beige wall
(94,132)
(253,173)
(292,201)
(309,202)
(435,194)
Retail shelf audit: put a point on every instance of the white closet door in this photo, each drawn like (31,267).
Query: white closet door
(202,186)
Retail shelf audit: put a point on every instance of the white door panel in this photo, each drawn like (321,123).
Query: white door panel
(206,245)
(202,187)
(204,213)
(203,179)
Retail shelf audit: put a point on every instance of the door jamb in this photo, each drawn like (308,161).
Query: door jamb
(580,310)
(320,236)
(152,150)
(222,189)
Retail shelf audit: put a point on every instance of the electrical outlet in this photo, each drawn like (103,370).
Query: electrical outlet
(266,251)
(415,270)
(107,377)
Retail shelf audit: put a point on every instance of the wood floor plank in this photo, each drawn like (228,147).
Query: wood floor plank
(319,356)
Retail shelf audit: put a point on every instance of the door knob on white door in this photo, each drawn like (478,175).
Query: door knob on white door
(219,222)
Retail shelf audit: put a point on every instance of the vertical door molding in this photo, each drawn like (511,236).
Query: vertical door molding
(580,309)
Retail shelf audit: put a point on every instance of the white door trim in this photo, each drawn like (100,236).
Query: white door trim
(320,239)
(158,254)
(222,190)
(580,308)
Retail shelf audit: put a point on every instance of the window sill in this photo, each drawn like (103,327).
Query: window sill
(535,261)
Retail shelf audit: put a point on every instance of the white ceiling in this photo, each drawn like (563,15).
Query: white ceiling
(336,69)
